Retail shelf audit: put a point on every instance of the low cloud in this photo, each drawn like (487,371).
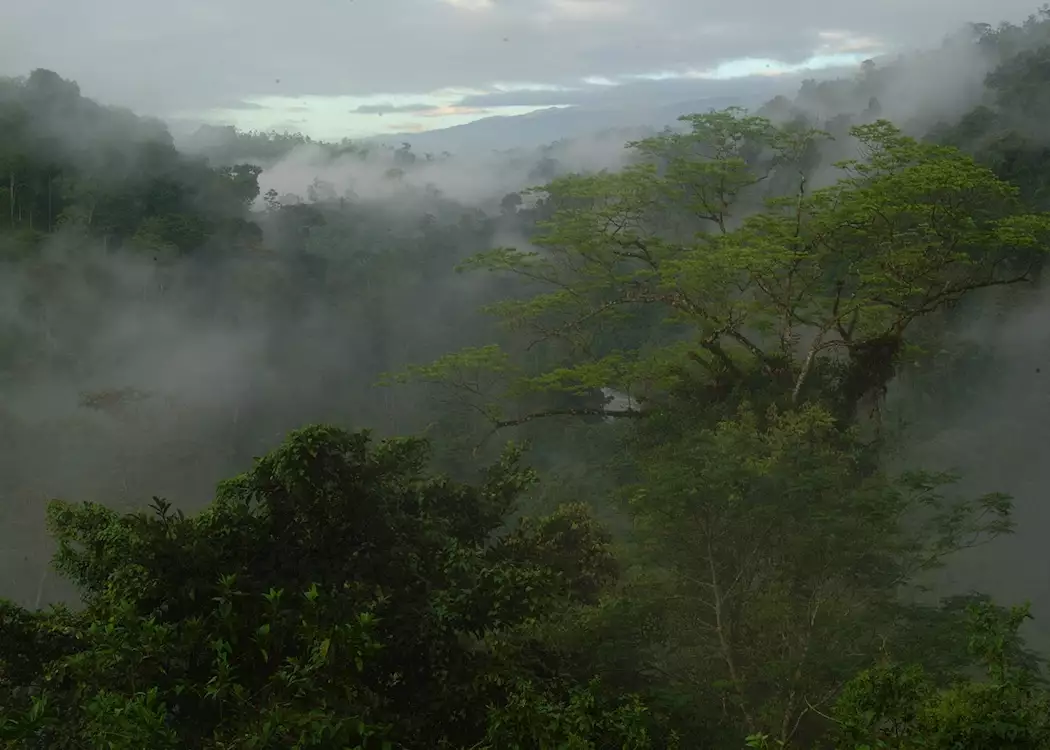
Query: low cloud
(388,109)
(452,111)
(245,105)
(649,92)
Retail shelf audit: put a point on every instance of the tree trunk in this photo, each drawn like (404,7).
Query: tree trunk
(722,629)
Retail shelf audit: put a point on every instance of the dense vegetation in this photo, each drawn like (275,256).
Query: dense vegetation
(696,539)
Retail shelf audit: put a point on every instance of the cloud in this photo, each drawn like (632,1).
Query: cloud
(387,109)
(835,42)
(452,111)
(471,5)
(455,115)
(164,58)
(245,105)
(628,92)
(587,10)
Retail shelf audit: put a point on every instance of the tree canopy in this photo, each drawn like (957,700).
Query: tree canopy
(699,534)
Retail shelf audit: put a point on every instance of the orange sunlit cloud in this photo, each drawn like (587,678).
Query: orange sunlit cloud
(451,110)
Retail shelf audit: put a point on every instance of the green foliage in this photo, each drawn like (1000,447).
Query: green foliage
(581,721)
(752,318)
(762,583)
(897,706)
(786,555)
(68,162)
(333,596)
(639,291)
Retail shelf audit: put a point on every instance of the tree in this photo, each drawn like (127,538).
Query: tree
(335,595)
(785,555)
(900,706)
(814,295)
(66,160)
(510,203)
(747,344)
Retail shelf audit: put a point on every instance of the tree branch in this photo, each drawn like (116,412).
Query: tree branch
(616,413)
(546,414)
(807,365)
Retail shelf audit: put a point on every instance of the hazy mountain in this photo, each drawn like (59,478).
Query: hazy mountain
(555,123)
(548,125)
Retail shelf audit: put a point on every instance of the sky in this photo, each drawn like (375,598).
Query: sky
(350,68)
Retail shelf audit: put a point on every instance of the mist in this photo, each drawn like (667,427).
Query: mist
(400,176)
(161,374)
(163,378)
(985,417)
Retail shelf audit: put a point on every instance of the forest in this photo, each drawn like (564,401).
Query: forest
(599,446)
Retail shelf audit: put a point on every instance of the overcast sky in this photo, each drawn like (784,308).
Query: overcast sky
(357,66)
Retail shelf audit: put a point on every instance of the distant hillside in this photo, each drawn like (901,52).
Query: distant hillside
(548,125)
